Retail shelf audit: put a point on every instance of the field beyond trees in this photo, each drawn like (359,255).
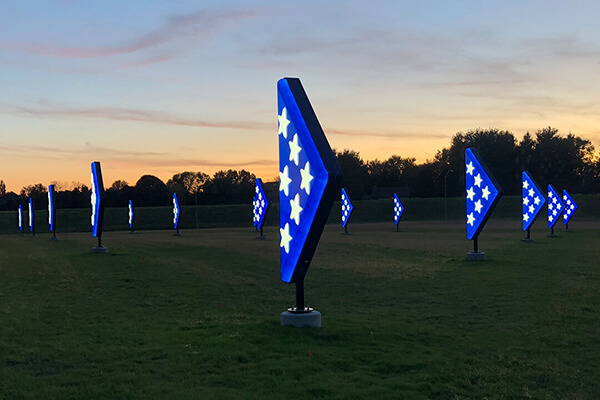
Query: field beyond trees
(405,316)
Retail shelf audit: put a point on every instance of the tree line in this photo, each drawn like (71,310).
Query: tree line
(568,162)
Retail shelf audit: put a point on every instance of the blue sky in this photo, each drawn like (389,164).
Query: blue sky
(162,87)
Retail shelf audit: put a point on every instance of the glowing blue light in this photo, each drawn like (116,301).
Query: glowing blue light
(570,207)
(51,207)
(309,178)
(398,209)
(30,214)
(555,207)
(176,211)
(347,208)
(130,215)
(97,199)
(20,218)
(260,205)
(533,200)
(483,192)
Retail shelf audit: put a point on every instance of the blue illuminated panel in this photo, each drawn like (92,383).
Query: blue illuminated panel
(130,215)
(570,207)
(555,207)
(533,200)
(398,209)
(97,199)
(309,179)
(176,211)
(347,208)
(260,205)
(20,218)
(483,192)
(30,214)
(51,207)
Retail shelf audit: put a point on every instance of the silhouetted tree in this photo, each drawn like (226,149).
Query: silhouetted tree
(356,174)
(151,191)
(38,193)
(229,187)
(187,185)
(119,194)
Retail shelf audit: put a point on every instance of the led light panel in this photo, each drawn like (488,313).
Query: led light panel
(533,200)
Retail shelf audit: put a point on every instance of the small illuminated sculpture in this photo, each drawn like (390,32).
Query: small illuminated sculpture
(398,210)
(533,201)
(347,209)
(309,180)
(483,193)
(131,215)
(555,209)
(97,202)
(570,208)
(52,211)
(31,217)
(260,207)
(21,219)
(176,214)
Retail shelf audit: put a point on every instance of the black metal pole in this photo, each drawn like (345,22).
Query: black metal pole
(476,245)
(261,232)
(528,234)
(300,295)
(99,240)
(552,231)
(346,229)
(567,226)
(397,229)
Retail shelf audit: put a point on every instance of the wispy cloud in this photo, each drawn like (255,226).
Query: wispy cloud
(197,25)
(49,110)
(384,135)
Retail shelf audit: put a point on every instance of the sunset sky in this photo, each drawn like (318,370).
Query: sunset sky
(160,87)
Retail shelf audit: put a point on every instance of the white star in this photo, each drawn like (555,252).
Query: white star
(485,193)
(526,217)
(536,200)
(554,212)
(525,185)
(554,200)
(531,192)
(568,202)
(285,237)
(295,150)
(550,218)
(306,178)
(296,209)
(470,194)
(550,206)
(478,206)
(478,180)
(470,168)
(284,181)
(256,189)
(564,197)
(549,194)
(283,122)
(262,203)
(470,219)
(531,209)
(526,201)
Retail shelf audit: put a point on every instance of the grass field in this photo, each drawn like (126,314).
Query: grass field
(405,316)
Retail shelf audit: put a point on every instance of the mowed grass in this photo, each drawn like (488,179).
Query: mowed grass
(405,316)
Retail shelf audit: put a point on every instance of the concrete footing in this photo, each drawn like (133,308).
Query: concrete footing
(310,319)
(476,256)
(527,240)
(99,249)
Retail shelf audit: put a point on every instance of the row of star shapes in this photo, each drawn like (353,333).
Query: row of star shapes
(305,183)
(485,192)
(536,200)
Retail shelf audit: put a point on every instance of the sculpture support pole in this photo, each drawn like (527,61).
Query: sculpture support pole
(300,295)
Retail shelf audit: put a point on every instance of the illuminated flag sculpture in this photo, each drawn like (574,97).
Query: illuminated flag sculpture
(347,209)
(52,211)
(483,193)
(260,206)
(533,201)
(309,181)
(31,218)
(176,214)
(555,208)
(398,210)
(21,219)
(570,208)
(131,215)
(97,202)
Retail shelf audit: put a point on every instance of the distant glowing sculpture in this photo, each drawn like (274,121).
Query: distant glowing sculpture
(347,209)
(483,193)
(260,206)
(97,203)
(176,214)
(52,210)
(570,208)
(131,215)
(555,208)
(309,180)
(20,219)
(31,218)
(398,210)
(533,201)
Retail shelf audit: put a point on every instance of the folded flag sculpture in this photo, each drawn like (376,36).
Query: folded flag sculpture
(131,215)
(20,218)
(31,218)
(570,208)
(260,206)
(533,201)
(52,210)
(483,193)
(309,180)
(555,208)
(97,201)
(176,214)
(347,209)
(398,210)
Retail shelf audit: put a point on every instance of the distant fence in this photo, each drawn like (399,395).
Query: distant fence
(147,218)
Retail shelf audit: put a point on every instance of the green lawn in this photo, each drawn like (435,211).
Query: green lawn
(405,316)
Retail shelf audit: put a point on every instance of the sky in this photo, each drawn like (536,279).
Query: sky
(160,87)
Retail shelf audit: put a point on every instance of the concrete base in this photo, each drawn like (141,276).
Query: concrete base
(310,319)
(54,238)
(177,234)
(552,235)
(479,256)
(99,249)
(527,240)
(263,237)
